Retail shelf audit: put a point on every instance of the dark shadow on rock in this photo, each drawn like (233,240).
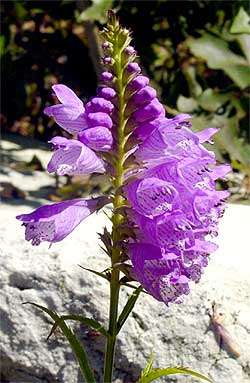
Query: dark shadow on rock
(24,142)
(22,202)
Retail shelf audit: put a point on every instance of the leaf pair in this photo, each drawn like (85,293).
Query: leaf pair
(79,351)
(150,374)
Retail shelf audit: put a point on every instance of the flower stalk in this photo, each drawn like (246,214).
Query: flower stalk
(118,201)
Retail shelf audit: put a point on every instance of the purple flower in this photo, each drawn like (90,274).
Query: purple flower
(73,157)
(70,113)
(52,223)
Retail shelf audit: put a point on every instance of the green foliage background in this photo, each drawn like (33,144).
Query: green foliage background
(196,54)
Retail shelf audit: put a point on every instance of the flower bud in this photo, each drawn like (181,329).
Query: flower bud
(106,45)
(99,104)
(133,68)
(130,50)
(106,76)
(139,82)
(152,110)
(144,95)
(108,61)
(100,119)
(106,92)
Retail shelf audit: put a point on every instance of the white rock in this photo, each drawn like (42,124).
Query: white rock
(177,335)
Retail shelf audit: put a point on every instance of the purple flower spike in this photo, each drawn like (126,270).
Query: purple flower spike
(70,113)
(174,206)
(97,138)
(73,157)
(52,223)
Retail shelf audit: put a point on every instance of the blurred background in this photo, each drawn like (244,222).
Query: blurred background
(196,54)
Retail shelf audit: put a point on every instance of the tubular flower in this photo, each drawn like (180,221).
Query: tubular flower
(52,223)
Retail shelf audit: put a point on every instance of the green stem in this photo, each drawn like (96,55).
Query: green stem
(117,220)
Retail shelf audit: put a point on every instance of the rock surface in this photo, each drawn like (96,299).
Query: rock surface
(177,335)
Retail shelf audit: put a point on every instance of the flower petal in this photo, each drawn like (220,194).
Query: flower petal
(66,96)
(68,117)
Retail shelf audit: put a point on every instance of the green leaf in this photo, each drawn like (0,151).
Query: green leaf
(157,373)
(244,42)
(186,104)
(217,54)
(128,308)
(95,272)
(73,341)
(148,367)
(2,45)
(241,22)
(97,11)
(211,100)
(87,321)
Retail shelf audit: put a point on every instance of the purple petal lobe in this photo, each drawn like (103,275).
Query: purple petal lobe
(206,134)
(70,114)
(66,96)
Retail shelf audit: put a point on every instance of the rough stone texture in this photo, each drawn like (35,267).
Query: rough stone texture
(177,335)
